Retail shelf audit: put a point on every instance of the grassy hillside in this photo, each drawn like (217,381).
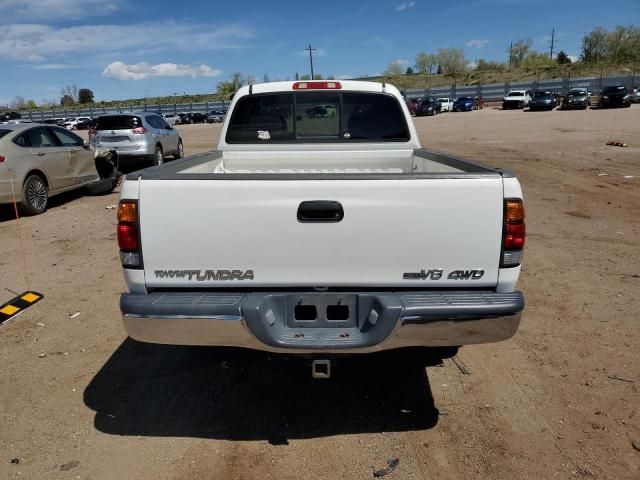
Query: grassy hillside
(475,77)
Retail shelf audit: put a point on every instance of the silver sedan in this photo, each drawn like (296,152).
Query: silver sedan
(39,161)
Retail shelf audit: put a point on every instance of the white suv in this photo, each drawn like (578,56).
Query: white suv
(137,136)
(516,99)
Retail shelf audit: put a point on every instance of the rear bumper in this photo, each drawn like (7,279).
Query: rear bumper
(377,320)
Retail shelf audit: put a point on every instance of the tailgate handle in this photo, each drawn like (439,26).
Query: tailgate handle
(325,211)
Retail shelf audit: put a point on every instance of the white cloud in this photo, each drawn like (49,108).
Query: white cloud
(37,42)
(56,9)
(405,5)
(472,65)
(141,71)
(476,43)
(402,61)
(573,58)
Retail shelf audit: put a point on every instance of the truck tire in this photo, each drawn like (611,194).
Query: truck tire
(35,195)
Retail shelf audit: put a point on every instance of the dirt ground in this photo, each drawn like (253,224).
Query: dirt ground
(558,401)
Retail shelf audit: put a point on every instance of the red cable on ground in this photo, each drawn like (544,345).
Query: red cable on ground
(22,249)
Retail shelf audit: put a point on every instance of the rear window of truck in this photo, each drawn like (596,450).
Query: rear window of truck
(118,122)
(317,117)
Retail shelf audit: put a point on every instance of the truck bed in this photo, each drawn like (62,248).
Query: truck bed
(241,165)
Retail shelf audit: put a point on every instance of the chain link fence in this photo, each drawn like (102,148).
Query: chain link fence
(495,91)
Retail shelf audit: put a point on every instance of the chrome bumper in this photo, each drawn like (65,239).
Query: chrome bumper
(381,320)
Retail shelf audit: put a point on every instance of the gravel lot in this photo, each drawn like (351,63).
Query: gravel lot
(559,400)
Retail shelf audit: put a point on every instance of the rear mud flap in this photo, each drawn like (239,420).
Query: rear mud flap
(321,321)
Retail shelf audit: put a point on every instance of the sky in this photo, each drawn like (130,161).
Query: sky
(130,49)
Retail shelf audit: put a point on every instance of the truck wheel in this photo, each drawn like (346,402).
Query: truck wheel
(35,195)
(158,156)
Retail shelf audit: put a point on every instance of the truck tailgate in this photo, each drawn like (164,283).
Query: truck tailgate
(394,233)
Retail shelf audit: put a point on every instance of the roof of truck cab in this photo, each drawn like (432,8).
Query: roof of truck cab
(346,85)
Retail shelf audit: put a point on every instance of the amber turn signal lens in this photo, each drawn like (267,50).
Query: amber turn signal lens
(128,212)
(514,211)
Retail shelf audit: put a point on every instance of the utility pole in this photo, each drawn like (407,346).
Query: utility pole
(311,50)
(553,37)
(510,53)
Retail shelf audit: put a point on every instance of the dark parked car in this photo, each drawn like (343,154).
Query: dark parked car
(615,96)
(428,106)
(543,100)
(576,98)
(85,124)
(463,104)
(6,116)
(194,118)
(217,116)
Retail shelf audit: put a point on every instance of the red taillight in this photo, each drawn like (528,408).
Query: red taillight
(317,86)
(128,237)
(1,159)
(514,232)
(514,236)
(129,234)
(139,131)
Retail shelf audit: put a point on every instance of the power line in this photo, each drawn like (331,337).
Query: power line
(311,50)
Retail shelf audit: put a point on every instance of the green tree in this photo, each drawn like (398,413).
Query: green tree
(452,60)
(409,71)
(85,95)
(594,45)
(562,58)
(70,91)
(425,62)
(519,52)
(317,76)
(232,85)
(394,68)
(623,44)
(305,77)
(66,101)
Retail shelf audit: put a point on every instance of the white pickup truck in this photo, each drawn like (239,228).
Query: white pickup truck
(321,234)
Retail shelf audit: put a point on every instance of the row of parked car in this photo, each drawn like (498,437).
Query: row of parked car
(613,96)
(434,106)
(87,123)
(609,97)
(214,116)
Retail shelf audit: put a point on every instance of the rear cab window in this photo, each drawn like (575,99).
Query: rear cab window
(329,117)
(118,122)
(4,132)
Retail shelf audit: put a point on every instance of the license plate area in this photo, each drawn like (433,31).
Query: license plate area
(320,310)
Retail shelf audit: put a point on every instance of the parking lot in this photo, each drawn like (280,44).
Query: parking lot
(559,400)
